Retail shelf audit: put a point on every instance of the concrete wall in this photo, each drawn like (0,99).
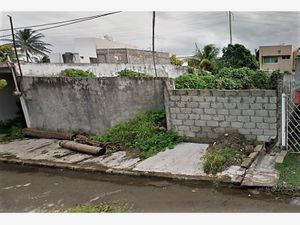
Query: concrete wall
(101,70)
(8,102)
(210,113)
(88,104)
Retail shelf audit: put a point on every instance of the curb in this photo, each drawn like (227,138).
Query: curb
(105,170)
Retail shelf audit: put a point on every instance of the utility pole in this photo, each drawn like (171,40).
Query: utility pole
(153,50)
(230,30)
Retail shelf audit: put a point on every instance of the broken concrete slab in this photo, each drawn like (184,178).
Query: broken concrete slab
(258,148)
(235,173)
(184,159)
(260,178)
(247,162)
(280,156)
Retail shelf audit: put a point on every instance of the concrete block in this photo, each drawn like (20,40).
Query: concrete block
(244,131)
(181,116)
(248,112)
(174,110)
(195,128)
(210,111)
(235,99)
(222,99)
(212,123)
(235,112)
(210,99)
(192,92)
(270,106)
(257,131)
(231,118)
(175,98)
(204,105)
(185,98)
(270,93)
(218,118)
(224,124)
(176,122)
(197,98)
(192,104)
(194,116)
(200,123)
(247,163)
(231,93)
(205,92)
(185,110)
(230,105)
(223,111)
(173,116)
(258,148)
(205,117)
(250,137)
(270,119)
(262,99)
(261,113)
(180,104)
(249,125)
(219,130)
(243,119)
(263,138)
(183,128)
(256,119)
(197,111)
(188,122)
(256,106)
(243,105)
(273,99)
(189,134)
(236,124)
(248,99)
(217,105)
(262,125)
(272,133)
(253,155)
(273,126)
(272,113)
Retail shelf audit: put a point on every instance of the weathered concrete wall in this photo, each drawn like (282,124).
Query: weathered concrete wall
(101,70)
(209,113)
(89,104)
(8,102)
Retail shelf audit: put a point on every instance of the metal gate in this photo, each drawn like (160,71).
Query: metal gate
(290,124)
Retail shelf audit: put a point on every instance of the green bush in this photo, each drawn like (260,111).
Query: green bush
(145,133)
(11,130)
(219,159)
(3,83)
(131,73)
(76,73)
(228,78)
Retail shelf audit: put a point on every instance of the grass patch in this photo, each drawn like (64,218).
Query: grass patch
(131,73)
(219,159)
(146,134)
(11,130)
(289,172)
(103,207)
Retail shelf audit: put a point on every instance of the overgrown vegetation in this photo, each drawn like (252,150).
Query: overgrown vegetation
(76,73)
(229,149)
(218,159)
(11,130)
(3,83)
(175,61)
(146,134)
(101,208)
(289,172)
(131,73)
(228,78)
(6,49)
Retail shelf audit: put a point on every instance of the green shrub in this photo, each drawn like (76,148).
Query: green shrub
(3,83)
(11,130)
(219,159)
(76,73)
(131,73)
(145,133)
(228,78)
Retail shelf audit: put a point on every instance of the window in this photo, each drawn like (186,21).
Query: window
(270,59)
(286,57)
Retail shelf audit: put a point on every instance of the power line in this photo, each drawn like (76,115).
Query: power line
(69,23)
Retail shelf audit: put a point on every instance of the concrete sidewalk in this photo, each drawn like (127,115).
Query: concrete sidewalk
(182,162)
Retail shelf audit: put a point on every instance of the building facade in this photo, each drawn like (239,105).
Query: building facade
(278,57)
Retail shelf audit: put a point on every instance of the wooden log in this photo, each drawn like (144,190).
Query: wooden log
(72,145)
(48,134)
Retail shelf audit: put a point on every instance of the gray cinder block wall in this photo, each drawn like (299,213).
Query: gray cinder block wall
(210,113)
(89,104)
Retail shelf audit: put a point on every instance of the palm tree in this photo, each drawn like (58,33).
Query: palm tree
(205,58)
(30,43)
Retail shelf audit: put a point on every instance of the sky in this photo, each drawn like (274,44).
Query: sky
(176,32)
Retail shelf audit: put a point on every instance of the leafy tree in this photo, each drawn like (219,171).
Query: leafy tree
(3,83)
(205,58)
(175,61)
(238,56)
(6,49)
(30,43)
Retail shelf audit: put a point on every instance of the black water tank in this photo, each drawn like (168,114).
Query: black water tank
(68,57)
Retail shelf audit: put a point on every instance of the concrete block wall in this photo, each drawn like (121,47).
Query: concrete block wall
(210,113)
